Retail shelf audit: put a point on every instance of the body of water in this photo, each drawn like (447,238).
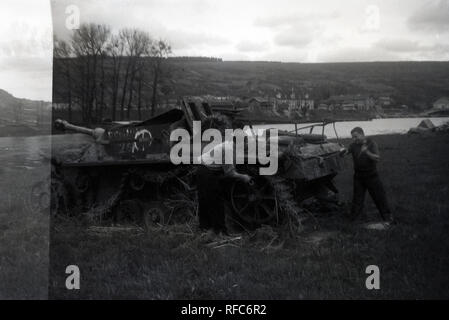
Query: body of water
(30,152)
(373,127)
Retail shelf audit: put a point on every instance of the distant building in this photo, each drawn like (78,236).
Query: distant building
(441,104)
(306,103)
(350,102)
(222,105)
(294,105)
(282,108)
(348,105)
(241,104)
(385,101)
(323,106)
(259,104)
(293,95)
(396,109)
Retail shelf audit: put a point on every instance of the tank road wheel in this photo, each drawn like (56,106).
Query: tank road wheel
(136,182)
(129,211)
(255,204)
(154,216)
(82,182)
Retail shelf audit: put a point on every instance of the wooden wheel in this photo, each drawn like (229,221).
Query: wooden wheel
(255,203)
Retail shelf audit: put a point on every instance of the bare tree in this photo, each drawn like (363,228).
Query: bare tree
(104,70)
(61,54)
(159,52)
(89,44)
(137,44)
(140,83)
(115,50)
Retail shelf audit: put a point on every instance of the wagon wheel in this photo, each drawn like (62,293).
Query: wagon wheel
(256,203)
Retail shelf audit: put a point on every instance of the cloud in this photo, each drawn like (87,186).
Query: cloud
(181,40)
(20,64)
(251,46)
(275,21)
(29,41)
(412,50)
(282,30)
(26,48)
(27,77)
(293,37)
(297,29)
(300,34)
(397,45)
(295,18)
(159,17)
(434,16)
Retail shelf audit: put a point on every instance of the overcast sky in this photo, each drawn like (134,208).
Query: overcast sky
(26,48)
(275,30)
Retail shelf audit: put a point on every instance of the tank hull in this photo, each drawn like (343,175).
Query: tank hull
(126,173)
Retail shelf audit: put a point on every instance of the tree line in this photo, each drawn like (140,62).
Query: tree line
(104,74)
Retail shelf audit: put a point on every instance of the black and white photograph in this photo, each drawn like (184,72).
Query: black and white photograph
(224,150)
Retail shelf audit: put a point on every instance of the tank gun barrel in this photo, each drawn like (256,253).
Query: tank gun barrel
(63,124)
(97,133)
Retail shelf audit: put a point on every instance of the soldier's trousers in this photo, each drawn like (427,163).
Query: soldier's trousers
(211,209)
(375,188)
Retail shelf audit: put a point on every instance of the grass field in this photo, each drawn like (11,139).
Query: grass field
(24,235)
(328,260)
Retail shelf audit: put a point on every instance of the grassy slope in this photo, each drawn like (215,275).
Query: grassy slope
(401,79)
(8,103)
(174,263)
(407,82)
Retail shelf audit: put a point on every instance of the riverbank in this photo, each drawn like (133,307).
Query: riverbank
(20,130)
(328,260)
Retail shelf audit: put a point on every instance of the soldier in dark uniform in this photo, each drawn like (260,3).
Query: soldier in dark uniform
(365,155)
(212,181)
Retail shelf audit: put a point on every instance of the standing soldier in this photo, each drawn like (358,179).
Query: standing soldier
(211,190)
(365,155)
(211,181)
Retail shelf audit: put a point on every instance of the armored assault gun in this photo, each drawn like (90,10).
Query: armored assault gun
(124,172)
